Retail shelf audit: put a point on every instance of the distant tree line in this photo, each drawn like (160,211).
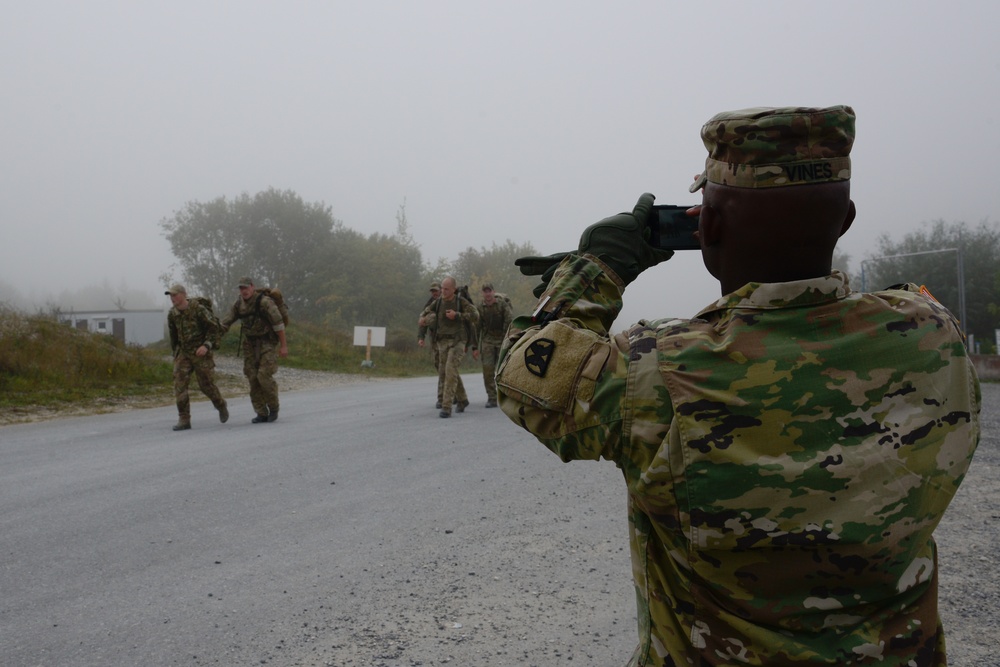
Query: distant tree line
(335,276)
(328,273)
(931,256)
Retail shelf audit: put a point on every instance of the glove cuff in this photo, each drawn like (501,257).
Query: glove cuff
(617,273)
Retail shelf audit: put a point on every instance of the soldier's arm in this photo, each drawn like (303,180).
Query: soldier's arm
(467,310)
(273,315)
(213,328)
(172,329)
(227,320)
(560,375)
(270,309)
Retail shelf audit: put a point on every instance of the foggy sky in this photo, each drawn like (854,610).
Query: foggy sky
(522,120)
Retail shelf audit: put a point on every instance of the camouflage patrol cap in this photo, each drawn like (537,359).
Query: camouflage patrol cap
(176,288)
(767,147)
(436,286)
(246,281)
(487,287)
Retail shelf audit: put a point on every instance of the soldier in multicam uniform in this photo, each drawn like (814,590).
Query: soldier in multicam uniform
(194,332)
(789,451)
(449,316)
(425,332)
(263,342)
(494,318)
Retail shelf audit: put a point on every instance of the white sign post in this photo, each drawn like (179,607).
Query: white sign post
(369,337)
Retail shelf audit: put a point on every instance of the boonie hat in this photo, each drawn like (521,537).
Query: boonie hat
(771,147)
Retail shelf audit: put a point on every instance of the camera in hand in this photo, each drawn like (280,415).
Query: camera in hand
(671,228)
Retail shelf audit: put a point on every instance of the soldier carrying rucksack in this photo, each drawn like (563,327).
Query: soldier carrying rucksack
(453,318)
(263,315)
(494,319)
(194,333)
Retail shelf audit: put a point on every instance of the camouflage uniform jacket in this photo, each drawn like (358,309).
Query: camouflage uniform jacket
(193,327)
(493,322)
(458,328)
(425,330)
(787,453)
(257,322)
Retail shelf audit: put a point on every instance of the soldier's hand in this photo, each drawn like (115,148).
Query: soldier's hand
(420,342)
(622,241)
(540,266)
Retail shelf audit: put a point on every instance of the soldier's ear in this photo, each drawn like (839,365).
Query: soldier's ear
(710,226)
(852,212)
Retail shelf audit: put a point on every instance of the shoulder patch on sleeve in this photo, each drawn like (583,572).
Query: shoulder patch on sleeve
(554,367)
(538,355)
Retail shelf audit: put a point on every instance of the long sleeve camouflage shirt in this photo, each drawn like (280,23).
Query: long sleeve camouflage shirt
(193,327)
(787,452)
(259,315)
(462,328)
(494,320)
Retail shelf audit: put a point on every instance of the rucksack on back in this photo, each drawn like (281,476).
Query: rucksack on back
(275,294)
(279,301)
(203,300)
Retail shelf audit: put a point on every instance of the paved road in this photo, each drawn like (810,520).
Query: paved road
(360,529)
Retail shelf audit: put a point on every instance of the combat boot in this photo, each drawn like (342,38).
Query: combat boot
(272,415)
(492,403)
(182,425)
(223,412)
(461,406)
(259,419)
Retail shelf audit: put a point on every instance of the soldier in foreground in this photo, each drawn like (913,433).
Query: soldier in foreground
(194,333)
(494,319)
(453,319)
(788,451)
(263,332)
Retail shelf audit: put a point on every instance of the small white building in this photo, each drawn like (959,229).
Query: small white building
(138,327)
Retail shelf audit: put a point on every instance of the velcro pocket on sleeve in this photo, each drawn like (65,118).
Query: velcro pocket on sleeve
(556,366)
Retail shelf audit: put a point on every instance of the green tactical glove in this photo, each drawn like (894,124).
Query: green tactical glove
(540,266)
(621,241)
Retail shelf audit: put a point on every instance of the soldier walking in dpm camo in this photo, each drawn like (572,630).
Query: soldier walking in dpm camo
(454,317)
(194,332)
(263,342)
(494,319)
(425,332)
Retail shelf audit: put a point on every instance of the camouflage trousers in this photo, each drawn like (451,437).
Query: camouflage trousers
(260,363)
(203,368)
(488,353)
(437,367)
(451,351)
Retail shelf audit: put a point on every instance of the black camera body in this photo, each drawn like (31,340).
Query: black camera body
(671,228)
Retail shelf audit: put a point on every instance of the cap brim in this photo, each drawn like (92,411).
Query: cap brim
(699,183)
